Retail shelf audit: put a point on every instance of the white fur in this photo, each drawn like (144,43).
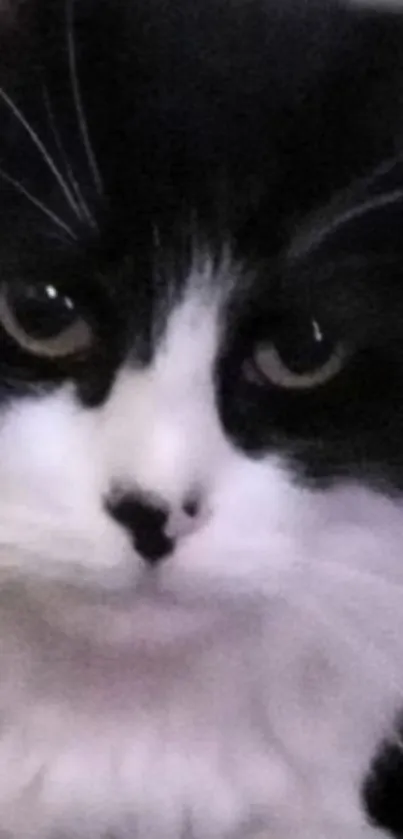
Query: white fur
(240,690)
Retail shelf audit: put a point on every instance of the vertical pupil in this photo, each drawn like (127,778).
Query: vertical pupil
(41,311)
(303,347)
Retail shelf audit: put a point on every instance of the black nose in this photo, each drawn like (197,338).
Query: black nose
(145,522)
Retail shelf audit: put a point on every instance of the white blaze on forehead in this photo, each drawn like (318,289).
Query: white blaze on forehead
(161,422)
(190,344)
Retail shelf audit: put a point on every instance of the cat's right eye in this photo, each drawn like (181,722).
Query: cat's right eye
(44,321)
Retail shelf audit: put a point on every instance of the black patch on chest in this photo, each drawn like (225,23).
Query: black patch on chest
(383,788)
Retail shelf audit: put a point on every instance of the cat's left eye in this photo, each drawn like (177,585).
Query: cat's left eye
(44,321)
(297,359)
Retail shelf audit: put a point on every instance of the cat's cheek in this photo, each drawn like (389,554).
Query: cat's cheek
(257,532)
(48,449)
(52,518)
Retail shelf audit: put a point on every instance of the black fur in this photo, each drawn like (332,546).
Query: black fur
(383,790)
(218,122)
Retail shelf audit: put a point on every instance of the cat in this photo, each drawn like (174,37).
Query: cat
(201,421)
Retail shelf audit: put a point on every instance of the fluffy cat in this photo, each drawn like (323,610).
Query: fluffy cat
(201,421)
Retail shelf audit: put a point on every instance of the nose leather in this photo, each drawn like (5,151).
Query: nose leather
(146,524)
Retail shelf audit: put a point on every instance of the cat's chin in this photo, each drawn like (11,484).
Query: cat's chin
(143,614)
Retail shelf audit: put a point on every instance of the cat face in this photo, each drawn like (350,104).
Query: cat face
(200,351)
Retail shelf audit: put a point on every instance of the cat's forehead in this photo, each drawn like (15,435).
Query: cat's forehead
(155,153)
(223,112)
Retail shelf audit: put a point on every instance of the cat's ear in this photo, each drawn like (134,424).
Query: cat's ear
(366,218)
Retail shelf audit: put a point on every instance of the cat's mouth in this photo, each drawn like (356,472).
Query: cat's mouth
(147,613)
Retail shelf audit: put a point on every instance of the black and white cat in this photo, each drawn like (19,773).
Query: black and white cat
(201,422)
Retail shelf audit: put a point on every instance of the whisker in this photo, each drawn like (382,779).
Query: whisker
(42,149)
(58,140)
(312,239)
(375,203)
(37,203)
(82,121)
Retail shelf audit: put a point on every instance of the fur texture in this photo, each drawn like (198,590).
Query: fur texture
(201,523)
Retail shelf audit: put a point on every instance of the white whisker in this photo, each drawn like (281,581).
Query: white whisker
(42,149)
(37,203)
(58,140)
(375,203)
(82,121)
